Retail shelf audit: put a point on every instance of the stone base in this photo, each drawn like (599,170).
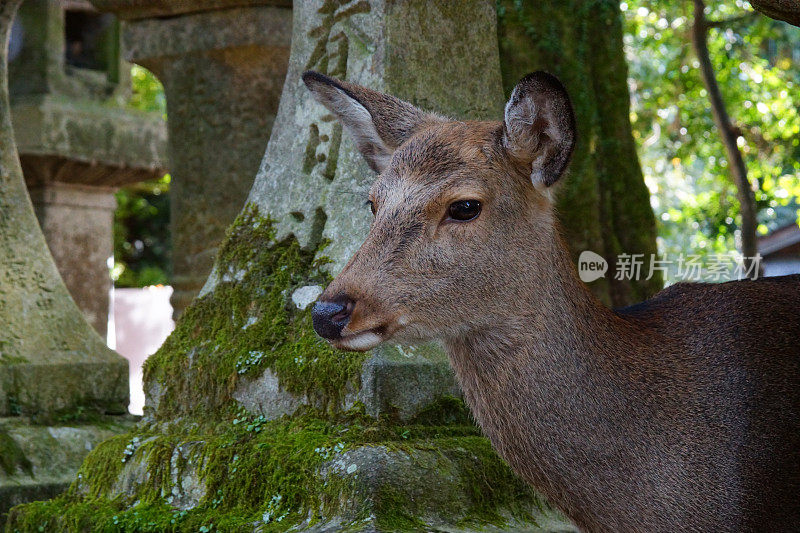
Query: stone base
(431,488)
(40,462)
(296,475)
(399,382)
(50,389)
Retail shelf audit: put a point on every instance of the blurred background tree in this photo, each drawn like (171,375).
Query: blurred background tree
(141,222)
(603,203)
(756,60)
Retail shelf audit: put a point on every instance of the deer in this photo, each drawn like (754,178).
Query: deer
(680,413)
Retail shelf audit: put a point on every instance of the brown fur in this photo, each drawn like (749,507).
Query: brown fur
(679,414)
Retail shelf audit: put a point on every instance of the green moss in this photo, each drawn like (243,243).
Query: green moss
(247,324)
(86,413)
(102,466)
(66,514)
(445,411)
(491,483)
(12,458)
(394,511)
(8,359)
(270,473)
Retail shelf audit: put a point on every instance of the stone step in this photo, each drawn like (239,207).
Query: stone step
(39,462)
(450,484)
(47,388)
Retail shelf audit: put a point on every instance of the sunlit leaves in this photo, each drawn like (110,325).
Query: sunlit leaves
(756,62)
(148,94)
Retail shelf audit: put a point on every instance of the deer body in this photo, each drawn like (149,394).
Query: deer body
(678,414)
(628,422)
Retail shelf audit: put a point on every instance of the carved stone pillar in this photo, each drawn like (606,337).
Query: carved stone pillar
(222,64)
(77,225)
(77,141)
(62,390)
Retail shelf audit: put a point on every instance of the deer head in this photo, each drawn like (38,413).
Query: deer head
(464,225)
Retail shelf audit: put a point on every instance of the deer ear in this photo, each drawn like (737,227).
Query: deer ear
(539,127)
(378,123)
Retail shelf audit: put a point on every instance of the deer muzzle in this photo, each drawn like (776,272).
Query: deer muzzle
(330,317)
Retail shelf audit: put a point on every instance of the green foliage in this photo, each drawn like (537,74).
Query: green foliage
(247,324)
(684,163)
(148,93)
(141,222)
(142,248)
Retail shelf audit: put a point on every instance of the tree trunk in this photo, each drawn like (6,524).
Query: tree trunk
(604,204)
(744,191)
(786,10)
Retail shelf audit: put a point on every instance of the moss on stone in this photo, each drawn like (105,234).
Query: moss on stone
(113,516)
(270,473)
(102,466)
(247,324)
(393,511)
(12,458)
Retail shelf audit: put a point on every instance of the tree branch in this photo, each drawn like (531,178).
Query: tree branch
(785,10)
(744,191)
(723,23)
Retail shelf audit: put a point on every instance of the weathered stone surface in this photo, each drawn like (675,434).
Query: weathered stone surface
(431,482)
(52,365)
(50,358)
(222,70)
(48,457)
(90,376)
(396,381)
(405,380)
(77,143)
(77,224)
(138,9)
(86,142)
(40,66)
(265,396)
(312,179)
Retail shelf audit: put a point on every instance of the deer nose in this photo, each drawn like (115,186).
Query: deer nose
(330,317)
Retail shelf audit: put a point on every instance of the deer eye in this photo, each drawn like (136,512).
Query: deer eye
(371,205)
(464,210)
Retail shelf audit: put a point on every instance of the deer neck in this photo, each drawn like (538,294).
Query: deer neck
(552,315)
(543,376)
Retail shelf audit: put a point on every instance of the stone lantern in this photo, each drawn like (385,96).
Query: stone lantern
(77,141)
(223,64)
(62,390)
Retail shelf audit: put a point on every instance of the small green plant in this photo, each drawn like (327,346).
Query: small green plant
(253,360)
(273,508)
(130,449)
